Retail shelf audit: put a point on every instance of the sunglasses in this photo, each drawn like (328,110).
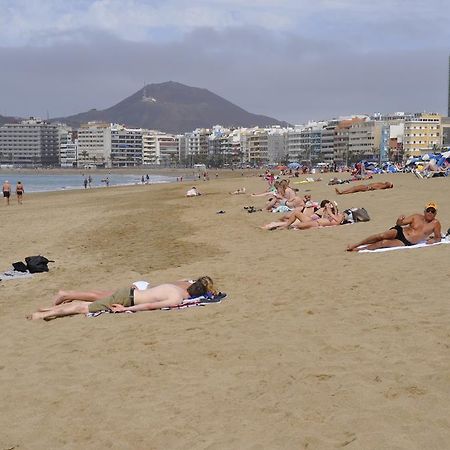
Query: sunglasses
(431,210)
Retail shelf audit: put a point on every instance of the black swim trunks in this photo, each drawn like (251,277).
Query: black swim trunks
(400,236)
(6,194)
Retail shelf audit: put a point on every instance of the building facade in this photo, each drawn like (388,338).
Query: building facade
(422,134)
(31,143)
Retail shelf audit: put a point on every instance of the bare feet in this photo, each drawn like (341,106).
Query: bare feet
(35,316)
(338,191)
(352,248)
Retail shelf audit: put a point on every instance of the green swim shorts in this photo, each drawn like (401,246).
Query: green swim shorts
(123,296)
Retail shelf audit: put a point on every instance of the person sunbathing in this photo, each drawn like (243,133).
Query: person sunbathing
(365,188)
(407,231)
(285,196)
(129,299)
(327,216)
(238,191)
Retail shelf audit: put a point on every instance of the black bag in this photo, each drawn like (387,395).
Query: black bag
(36,264)
(19,266)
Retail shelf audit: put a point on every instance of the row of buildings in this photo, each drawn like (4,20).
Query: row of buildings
(397,136)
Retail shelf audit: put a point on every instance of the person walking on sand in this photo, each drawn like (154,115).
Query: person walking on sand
(19,192)
(130,299)
(407,231)
(6,188)
(365,188)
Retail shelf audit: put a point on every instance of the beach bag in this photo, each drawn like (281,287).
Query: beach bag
(356,215)
(36,264)
(20,266)
(360,215)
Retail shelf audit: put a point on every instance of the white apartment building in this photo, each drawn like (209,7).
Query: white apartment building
(159,148)
(196,145)
(68,147)
(295,150)
(94,145)
(422,134)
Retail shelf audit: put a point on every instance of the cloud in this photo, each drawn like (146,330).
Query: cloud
(293,60)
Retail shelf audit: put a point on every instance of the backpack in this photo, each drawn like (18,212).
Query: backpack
(36,264)
(356,215)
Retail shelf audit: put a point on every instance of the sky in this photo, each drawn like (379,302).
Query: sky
(294,60)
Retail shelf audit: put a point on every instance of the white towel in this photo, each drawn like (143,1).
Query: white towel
(419,245)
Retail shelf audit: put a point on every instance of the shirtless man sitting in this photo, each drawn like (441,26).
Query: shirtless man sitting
(407,231)
(130,299)
(365,188)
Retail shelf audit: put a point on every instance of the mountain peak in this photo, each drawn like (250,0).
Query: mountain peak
(174,107)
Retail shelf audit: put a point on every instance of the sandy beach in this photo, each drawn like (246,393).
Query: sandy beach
(313,348)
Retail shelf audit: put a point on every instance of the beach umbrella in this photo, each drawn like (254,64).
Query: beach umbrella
(446,154)
(426,157)
(296,165)
(281,167)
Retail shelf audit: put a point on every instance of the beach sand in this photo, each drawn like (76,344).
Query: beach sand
(314,347)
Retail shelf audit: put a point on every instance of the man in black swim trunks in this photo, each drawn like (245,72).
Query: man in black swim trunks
(407,231)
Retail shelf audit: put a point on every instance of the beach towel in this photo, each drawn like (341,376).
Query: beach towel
(419,245)
(14,275)
(187,303)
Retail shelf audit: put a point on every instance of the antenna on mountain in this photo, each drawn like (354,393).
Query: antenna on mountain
(145,98)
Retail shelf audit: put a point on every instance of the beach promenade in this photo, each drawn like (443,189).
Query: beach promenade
(314,347)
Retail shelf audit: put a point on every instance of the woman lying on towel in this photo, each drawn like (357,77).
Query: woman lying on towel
(327,216)
(128,299)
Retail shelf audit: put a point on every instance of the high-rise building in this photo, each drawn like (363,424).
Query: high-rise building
(32,142)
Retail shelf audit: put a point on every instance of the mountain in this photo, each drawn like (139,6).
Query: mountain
(174,108)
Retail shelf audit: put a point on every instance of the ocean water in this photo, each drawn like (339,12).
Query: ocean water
(60,182)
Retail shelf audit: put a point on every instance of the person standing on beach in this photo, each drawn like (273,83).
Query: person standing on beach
(89,181)
(19,192)
(6,188)
(85,182)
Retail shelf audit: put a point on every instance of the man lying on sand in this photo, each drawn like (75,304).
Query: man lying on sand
(407,231)
(126,299)
(365,188)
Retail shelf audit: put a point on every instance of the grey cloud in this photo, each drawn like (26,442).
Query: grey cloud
(286,76)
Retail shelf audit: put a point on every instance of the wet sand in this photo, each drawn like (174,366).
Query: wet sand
(314,348)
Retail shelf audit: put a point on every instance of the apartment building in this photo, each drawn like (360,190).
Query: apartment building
(327,142)
(32,142)
(368,140)
(220,148)
(126,146)
(94,145)
(197,145)
(254,145)
(277,145)
(422,134)
(341,139)
(295,151)
(68,147)
(160,148)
